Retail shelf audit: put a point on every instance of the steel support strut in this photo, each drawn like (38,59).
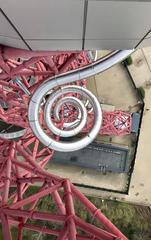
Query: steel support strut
(23,158)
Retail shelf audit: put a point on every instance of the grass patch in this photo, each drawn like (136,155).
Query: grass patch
(128,61)
(141,92)
(133,221)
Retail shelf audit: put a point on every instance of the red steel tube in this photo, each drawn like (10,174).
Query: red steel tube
(34,164)
(35,196)
(5,228)
(34,215)
(59,203)
(93,230)
(69,211)
(8,174)
(51,232)
(97,213)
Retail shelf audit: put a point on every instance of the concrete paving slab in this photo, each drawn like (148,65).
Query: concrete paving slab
(140,68)
(140,185)
(114,87)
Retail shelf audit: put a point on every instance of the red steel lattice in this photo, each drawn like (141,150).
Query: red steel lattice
(19,170)
(22,161)
(116,123)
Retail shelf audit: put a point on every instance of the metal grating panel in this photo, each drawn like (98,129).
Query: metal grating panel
(101,157)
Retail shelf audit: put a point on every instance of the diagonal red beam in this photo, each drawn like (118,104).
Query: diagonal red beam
(51,232)
(70,212)
(29,159)
(66,65)
(5,227)
(94,231)
(35,196)
(57,199)
(35,215)
(97,213)
(8,174)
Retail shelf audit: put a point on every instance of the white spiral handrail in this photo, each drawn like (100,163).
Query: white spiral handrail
(56,82)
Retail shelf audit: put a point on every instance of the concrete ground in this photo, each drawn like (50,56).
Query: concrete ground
(91,177)
(140,185)
(109,87)
(140,188)
(114,87)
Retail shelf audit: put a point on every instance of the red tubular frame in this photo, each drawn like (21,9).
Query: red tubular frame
(65,213)
(22,166)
